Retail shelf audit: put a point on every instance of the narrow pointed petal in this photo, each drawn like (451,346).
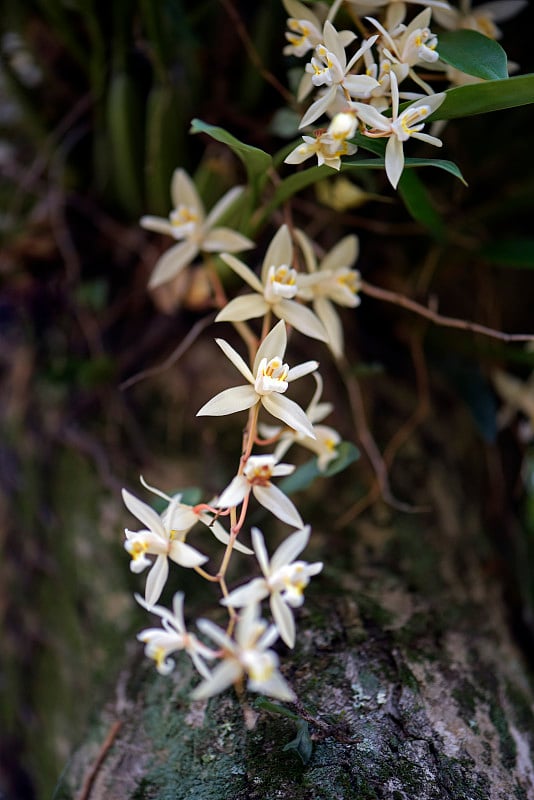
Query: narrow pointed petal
(290,548)
(234,494)
(394,160)
(307,250)
(222,536)
(273,345)
(222,205)
(172,263)
(318,108)
(220,637)
(330,319)
(248,306)
(225,239)
(360,85)
(236,359)
(283,619)
(276,687)
(299,370)
(156,579)
(272,498)
(280,251)
(343,254)
(157,224)
(289,412)
(300,318)
(254,592)
(237,398)
(244,272)
(224,675)
(144,513)
(333,43)
(258,543)
(184,192)
(185,555)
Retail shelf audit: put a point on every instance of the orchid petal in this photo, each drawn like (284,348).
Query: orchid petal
(236,359)
(185,555)
(273,345)
(172,262)
(301,318)
(157,224)
(222,205)
(289,412)
(283,619)
(184,192)
(319,107)
(248,306)
(280,251)
(290,548)
(144,513)
(225,674)
(244,272)
(273,499)
(258,543)
(237,398)
(156,579)
(252,592)
(225,239)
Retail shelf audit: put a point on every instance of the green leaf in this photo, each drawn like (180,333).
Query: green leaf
(419,204)
(480,98)
(517,252)
(300,180)
(439,163)
(256,161)
(473,53)
(302,743)
(304,476)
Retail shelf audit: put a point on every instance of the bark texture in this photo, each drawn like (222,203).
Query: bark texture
(410,683)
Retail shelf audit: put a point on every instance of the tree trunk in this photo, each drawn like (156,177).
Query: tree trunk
(410,684)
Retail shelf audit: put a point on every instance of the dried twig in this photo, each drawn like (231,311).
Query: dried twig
(104,750)
(176,354)
(439,319)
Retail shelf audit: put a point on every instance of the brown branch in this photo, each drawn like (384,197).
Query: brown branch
(176,354)
(439,319)
(104,750)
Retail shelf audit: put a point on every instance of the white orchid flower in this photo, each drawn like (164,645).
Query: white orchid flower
(172,636)
(410,45)
(328,146)
(331,281)
(274,292)
(248,655)
(326,439)
(194,230)
(267,382)
(284,581)
(256,478)
(329,68)
(164,538)
(399,127)
(306,28)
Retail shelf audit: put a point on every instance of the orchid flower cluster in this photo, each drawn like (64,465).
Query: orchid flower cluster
(363,92)
(299,288)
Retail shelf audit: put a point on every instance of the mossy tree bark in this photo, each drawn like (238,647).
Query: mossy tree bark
(410,684)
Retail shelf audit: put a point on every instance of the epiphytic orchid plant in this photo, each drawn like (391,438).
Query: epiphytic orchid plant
(355,77)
